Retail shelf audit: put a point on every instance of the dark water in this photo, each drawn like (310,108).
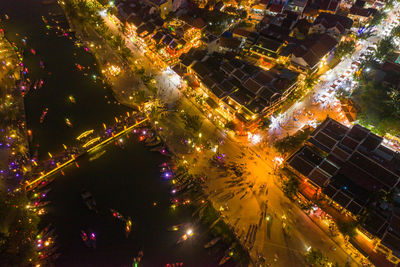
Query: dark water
(126,179)
(129,181)
(61,77)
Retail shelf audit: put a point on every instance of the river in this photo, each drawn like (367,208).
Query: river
(123,178)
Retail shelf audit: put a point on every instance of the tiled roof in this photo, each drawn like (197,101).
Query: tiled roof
(392,242)
(218,91)
(375,224)
(328,167)
(276,8)
(342,199)
(257,105)
(200,69)
(359,11)
(318,177)
(301,165)
(252,85)
(374,169)
(264,77)
(241,32)
(333,19)
(230,43)
(239,74)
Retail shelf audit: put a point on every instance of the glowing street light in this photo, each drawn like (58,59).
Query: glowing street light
(189,232)
(254,138)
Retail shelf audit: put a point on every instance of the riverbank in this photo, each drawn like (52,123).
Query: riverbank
(14,143)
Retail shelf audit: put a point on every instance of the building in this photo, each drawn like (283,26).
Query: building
(351,167)
(332,24)
(267,47)
(296,6)
(360,14)
(313,51)
(229,44)
(162,7)
(239,89)
(314,7)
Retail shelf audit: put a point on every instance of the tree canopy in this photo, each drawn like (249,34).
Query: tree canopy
(291,143)
(385,48)
(378,106)
(193,123)
(345,48)
(378,18)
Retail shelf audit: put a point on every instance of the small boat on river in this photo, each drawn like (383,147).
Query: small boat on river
(212,242)
(89,200)
(44,113)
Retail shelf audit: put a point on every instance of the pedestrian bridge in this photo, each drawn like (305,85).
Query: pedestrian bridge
(29,185)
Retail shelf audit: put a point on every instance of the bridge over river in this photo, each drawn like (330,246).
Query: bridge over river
(31,184)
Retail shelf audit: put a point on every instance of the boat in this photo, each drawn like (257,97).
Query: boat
(182,238)
(224,260)
(41,204)
(89,239)
(72,99)
(84,237)
(44,113)
(212,242)
(68,122)
(116,214)
(175,227)
(128,226)
(89,200)
(139,257)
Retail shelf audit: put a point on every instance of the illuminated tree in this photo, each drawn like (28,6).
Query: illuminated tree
(193,123)
(291,186)
(315,258)
(396,32)
(347,228)
(385,48)
(230,125)
(345,48)
(378,18)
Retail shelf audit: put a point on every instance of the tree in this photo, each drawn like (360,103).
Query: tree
(385,48)
(378,106)
(122,28)
(347,228)
(395,32)
(140,96)
(230,125)
(265,123)
(315,258)
(126,53)
(345,48)
(140,71)
(377,18)
(310,80)
(193,123)
(389,4)
(242,13)
(291,143)
(394,94)
(291,186)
